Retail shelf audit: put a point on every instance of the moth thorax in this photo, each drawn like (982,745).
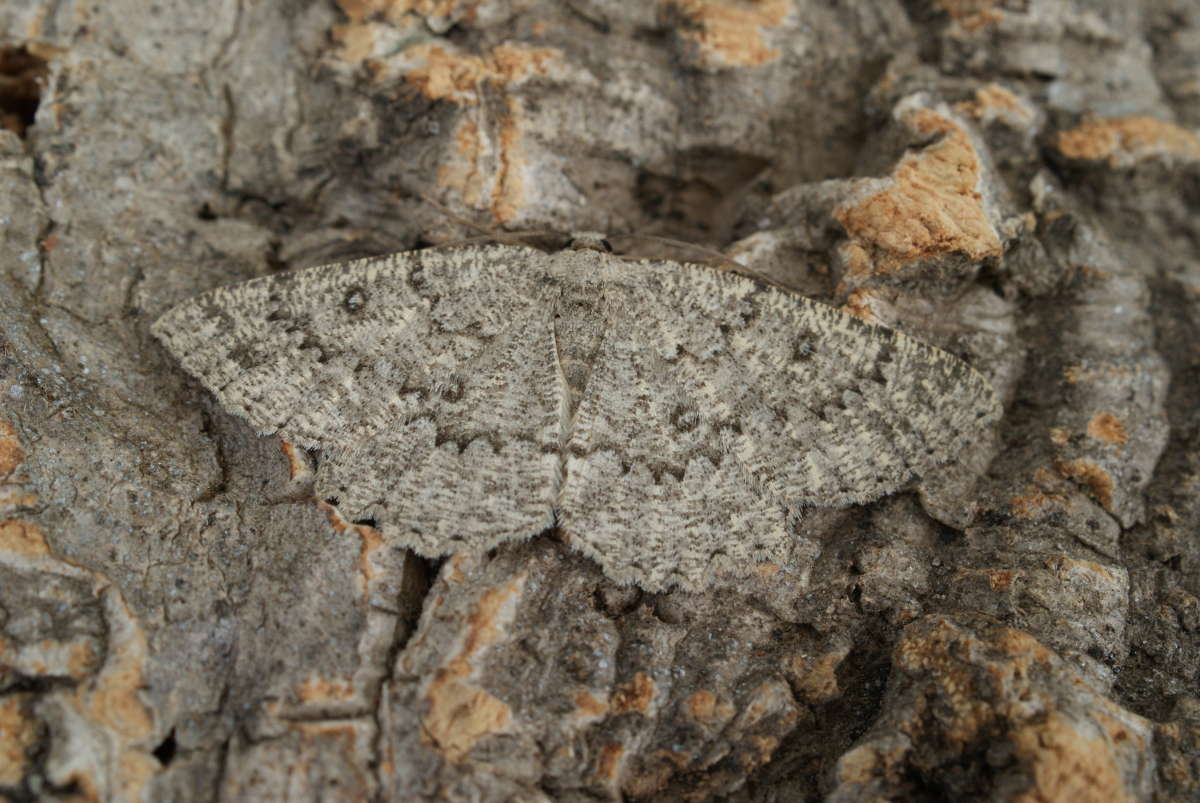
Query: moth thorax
(578,332)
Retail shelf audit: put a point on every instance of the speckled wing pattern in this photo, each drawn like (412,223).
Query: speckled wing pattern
(427,379)
(716,404)
(666,417)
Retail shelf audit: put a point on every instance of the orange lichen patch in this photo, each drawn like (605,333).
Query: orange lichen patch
(932,206)
(111,704)
(1060,436)
(608,760)
(360,10)
(701,704)
(483,171)
(815,679)
(636,695)
(20,538)
(370,544)
(994,102)
(330,733)
(463,174)
(856,259)
(933,656)
(1098,481)
(763,748)
(766,571)
(972,14)
(81,659)
(510,181)
(1046,478)
(1019,643)
(704,706)
(316,689)
(111,748)
(16,501)
(297,466)
(113,698)
(11,454)
(1107,427)
(1063,758)
(356,42)
(1000,579)
(1121,141)
(652,773)
(461,713)
(860,765)
(443,74)
(74,659)
(858,303)
(1066,764)
(494,607)
(17,737)
(454,572)
(729,33)
(1033,504)
(588,706)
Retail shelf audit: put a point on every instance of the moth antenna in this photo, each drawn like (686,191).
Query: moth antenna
(717,260)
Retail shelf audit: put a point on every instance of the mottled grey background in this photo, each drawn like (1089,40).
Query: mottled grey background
(1015,181)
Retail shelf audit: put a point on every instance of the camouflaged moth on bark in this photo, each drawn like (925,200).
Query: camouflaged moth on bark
(666,417)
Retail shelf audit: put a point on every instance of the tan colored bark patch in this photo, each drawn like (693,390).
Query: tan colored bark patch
(729,33)
(1107,427)
(608,761)
(994,102)
(361,10)
(24,539)
(955,680)
(460,712)
(1060,436)
(766,571)
(482,169)
(972,14)
(815,678)
(461,715)
(316,689)
(17,736)
(11,454)
(636,695)
(931,208)
(858,304)
(1067,764)
(443,74)
(1122,141)
(510,181)
(1032,504)
(704,706)
(370,544)
(589,706)
(1098,481)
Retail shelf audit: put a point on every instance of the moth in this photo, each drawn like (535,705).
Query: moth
(665,417)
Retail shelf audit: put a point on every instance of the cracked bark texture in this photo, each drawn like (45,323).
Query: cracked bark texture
(1016,182)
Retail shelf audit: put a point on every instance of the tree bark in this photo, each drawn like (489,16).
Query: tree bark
(1014,182)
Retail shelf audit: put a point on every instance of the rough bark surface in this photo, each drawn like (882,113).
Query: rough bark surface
(1015,181)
